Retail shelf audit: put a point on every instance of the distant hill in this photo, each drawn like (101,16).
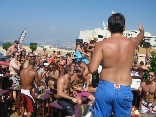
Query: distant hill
(1,43)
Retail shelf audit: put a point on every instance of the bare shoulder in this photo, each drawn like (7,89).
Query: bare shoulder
(101,42)
(143,84)
(132,39)
(23,70)
(34,71)
(61,79)
(9,48)
(99,45)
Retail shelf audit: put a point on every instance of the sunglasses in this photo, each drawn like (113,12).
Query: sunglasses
(90,47)
(31,56)
(150,75)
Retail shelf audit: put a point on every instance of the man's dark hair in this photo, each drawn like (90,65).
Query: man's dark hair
(67,69)
(68,54)
(81,62)
(92,41)
(116,23)
(30,53)
(77,69)
(32,62)
(75,61)
(141,63)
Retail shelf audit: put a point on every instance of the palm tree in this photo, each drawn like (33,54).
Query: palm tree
(33,47)
(6,45)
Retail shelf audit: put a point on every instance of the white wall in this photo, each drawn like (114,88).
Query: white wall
(88,34)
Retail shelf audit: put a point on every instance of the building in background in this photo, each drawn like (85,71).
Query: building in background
(101,34)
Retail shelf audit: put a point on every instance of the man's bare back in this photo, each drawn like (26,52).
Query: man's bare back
(116,54)
(28,76)
(117,50)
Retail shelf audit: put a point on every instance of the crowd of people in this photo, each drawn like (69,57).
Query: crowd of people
(69,79)
(102,72)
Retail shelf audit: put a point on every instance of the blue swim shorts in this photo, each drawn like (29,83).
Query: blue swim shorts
(110,96)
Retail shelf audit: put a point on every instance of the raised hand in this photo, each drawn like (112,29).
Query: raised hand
(140,27)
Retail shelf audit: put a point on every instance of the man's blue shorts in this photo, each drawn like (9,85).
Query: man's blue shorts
(110,96)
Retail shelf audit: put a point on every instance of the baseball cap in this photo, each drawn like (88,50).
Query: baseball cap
(17,42)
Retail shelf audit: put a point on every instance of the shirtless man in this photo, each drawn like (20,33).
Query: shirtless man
(79,89)
(142,68)
(75,83)
(28,76)
(116,55)
(147,57)
(44,54)
(149,94)
(12,48)
(31,56)
(63,87)
(78,86)
(22,48)
(69,59)
(14,68)
(88,77)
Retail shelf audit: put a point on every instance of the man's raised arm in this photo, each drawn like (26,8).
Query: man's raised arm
(140,36)
(8,52)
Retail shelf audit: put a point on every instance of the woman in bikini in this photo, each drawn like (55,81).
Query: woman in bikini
(53,77)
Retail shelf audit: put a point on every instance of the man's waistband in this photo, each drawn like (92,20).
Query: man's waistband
(147,104)
(115,86)
(26,92)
